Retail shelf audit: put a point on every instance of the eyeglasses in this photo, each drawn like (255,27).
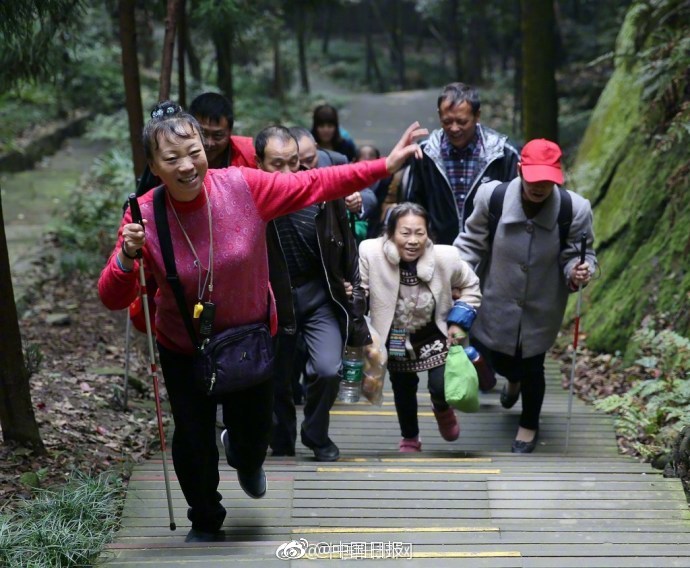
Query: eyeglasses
(215,135)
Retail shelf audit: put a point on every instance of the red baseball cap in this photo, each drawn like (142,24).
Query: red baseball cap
(541,161)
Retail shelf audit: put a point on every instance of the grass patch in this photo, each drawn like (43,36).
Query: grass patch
(62,528)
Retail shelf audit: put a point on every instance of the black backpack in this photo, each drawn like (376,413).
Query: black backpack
(565,214)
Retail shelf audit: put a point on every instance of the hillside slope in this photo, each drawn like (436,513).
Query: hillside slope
(634,166)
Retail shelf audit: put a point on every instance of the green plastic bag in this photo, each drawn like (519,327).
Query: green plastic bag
(461,384)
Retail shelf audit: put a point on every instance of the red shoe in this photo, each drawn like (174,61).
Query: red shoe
(447,424)
(408,445)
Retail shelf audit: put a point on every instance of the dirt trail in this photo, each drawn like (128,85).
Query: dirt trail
(31,199)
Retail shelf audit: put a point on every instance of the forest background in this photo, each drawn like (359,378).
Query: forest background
(609,80)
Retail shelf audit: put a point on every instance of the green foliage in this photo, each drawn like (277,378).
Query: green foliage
(62,528)
(633,164)
(26,105)
(656,407)
(87,231)
(32,35)
(67,47)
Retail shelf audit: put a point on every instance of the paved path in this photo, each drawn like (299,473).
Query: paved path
(381,119)
(469,503)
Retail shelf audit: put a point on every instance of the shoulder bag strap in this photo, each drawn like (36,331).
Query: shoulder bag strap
(163,230)
(496,209)
(565,217)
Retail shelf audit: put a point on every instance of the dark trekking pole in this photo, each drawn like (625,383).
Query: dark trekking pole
(137,218)
(583,250)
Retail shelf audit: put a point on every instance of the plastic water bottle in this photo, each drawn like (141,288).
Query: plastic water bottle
(351,384)
(485,374)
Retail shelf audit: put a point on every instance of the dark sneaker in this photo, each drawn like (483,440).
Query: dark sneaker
(328,452)
(252,483)
(195,535)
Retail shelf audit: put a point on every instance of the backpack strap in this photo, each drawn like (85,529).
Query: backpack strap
(565,213)
(496,209)
(565,217)
(163,230)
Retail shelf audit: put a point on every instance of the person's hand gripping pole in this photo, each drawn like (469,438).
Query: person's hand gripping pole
(137,218)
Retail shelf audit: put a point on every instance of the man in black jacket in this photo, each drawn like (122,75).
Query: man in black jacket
(321,268)
(458,158)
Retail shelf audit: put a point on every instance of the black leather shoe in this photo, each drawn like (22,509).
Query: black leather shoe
(329,452)
(520,447)
(282,452)
(254,483)
(508,400)
(195,535)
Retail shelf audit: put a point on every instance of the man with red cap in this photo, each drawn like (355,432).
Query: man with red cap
(523,240)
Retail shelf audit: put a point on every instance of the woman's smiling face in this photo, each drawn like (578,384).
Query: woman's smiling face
(181,164)
(410,237)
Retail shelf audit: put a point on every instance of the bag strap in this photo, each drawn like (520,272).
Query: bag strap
(163,230)
(565,213)
(565,217)
(496,209)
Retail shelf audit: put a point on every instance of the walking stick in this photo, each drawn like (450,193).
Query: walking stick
(583,249)
(142,188)
(137,218)
(125,387)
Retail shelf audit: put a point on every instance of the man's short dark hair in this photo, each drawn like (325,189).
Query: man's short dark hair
(300,132)
(213,107)
(262,138)
(458,93)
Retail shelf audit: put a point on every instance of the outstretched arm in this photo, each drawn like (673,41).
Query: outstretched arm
(278,194)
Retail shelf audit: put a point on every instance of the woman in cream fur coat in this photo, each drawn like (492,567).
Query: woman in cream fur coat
(411,285)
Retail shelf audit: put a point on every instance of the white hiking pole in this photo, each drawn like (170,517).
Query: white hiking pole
(137,218)
(583,249)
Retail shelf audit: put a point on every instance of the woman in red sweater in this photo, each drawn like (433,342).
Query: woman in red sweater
(217,222)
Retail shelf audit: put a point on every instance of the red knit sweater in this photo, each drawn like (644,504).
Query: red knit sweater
(243,200)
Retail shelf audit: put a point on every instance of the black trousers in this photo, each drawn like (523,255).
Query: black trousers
(247,417)
(318,323)
(529,372)
(405,396)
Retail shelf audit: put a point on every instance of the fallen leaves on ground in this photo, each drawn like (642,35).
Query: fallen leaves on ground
(78,390)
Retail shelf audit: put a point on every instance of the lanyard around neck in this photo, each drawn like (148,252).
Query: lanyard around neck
(208,280)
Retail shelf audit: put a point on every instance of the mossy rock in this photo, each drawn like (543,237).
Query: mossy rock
(635,173)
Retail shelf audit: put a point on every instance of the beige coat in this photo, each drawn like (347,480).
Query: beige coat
(525,277)
(440,267)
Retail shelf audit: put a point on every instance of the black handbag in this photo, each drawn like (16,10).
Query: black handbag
(235,359)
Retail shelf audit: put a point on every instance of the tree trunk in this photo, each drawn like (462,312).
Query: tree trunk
(455,31)
(223,42)
(16,410)
(192,58)
(130,68)
(517,77)
(278,88)
(328,16)
(301,27)
(399,43)
(372,64)
(476,33)
(539,95)
(181,49)
(168,49)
